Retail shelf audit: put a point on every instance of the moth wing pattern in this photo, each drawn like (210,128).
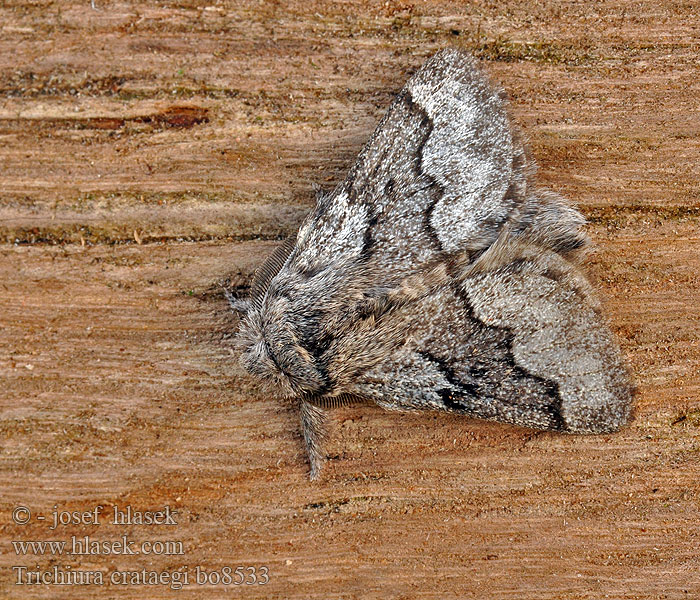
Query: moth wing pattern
(443,172)
(558,332)
(518,338)
(437,276)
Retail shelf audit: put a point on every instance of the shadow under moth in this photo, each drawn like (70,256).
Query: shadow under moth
(436,276)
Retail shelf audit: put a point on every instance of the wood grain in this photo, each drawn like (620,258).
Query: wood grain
(153,152)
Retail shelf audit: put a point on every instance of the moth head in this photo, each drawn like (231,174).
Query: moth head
(273,337)
(300,299)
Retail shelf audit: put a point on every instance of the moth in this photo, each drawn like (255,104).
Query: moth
(438,276)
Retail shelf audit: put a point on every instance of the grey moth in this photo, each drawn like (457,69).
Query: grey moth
(438,276)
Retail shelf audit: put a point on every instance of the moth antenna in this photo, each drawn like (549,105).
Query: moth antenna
(339,401)
(268,270)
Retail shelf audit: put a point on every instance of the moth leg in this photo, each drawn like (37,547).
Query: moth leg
(313,421)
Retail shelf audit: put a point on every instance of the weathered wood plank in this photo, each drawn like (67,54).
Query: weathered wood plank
(150,152)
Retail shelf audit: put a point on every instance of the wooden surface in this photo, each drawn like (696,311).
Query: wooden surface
(151,152)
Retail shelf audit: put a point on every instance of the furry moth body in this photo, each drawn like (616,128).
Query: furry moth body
(437,277)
